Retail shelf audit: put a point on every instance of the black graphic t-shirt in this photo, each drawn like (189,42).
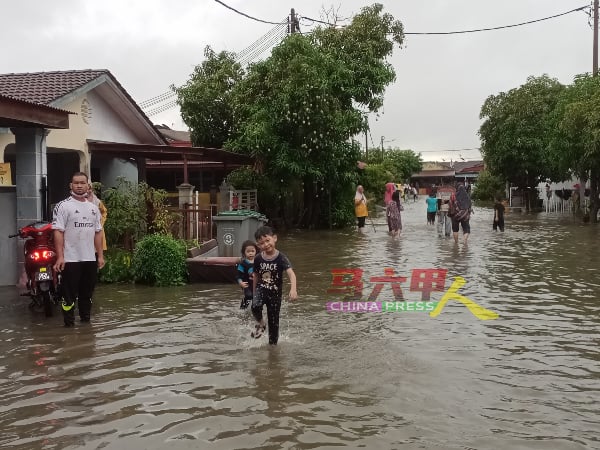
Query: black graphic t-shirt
(270,273)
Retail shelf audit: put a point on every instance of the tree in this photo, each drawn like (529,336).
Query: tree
(488,187)
(575,140)
(403,163)
(297,111)
(516,131)
(205,100)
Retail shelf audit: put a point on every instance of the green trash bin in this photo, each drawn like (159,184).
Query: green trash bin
(234,227)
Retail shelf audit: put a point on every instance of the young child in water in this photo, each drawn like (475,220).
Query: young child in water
(269,266)
(245,268)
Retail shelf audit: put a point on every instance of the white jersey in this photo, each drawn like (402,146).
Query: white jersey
(80,222)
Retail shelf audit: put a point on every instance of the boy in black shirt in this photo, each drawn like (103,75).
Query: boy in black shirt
(269,266)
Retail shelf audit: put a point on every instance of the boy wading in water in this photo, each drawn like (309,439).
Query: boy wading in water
(269,266)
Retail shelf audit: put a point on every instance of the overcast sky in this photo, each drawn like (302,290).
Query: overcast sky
(432,108)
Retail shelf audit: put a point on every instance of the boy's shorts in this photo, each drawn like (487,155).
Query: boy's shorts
(262,298)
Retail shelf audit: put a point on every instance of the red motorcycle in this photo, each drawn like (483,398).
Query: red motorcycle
(40,256)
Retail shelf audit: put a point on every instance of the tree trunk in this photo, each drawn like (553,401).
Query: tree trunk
(311,204)
(594,188)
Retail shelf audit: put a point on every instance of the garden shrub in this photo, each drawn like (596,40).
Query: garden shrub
(117,266)
(159,259)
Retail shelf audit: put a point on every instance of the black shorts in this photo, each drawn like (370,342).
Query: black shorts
(361,221)
(463,223)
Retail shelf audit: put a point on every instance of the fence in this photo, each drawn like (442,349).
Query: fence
(196,224)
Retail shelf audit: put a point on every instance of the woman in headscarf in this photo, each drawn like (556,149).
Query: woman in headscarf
(91,197)
(360,207)
(462,215)
(390,188)
(393,214)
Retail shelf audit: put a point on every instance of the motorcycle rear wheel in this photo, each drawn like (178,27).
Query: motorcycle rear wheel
(47,303)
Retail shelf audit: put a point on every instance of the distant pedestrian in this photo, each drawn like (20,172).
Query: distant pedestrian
(498,215)
(390,188)
(393,214)
(432,206)
(360,207)
(460,210)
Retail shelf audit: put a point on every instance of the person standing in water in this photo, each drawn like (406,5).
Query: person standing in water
(461,204)
(79,253)
(360,207)
(432,204)
(393,214)
(498,215)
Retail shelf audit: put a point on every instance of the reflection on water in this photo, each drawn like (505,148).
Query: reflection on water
(176,367)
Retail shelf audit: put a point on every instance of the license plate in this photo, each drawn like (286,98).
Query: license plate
(42,275)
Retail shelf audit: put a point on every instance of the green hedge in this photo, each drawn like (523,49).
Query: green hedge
(159,260)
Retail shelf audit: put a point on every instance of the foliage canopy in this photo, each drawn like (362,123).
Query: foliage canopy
(297,112)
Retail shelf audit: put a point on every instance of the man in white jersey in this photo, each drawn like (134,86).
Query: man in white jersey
(78,242)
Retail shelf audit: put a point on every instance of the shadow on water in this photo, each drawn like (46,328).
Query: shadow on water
(176,367)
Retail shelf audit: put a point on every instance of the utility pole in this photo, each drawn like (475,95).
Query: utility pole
(595,58)
(293,24)
(366,145)
(382,138)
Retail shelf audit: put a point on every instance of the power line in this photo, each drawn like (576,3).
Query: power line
(259,46)
(470,31)
(246,15)
(246,55)
(504,26)
(158,99)
(265,46)
(266,37)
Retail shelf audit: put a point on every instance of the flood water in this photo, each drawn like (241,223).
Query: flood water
(176,368)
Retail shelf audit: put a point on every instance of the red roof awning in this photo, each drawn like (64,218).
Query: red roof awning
(24,114)
(169,153)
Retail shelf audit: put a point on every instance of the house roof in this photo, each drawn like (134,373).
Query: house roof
(25,114)
(468,166)
(434,173)
(45,87)
(169,153)
(61,87)
(174,135)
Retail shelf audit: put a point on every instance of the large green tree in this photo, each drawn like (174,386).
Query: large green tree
(516,131)
(205,100)
(297,111)
(574,146)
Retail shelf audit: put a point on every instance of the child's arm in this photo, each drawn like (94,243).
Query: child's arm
(292,276)
(240,274)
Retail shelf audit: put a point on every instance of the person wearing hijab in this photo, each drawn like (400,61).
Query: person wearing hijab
(462,215)
(393,214)
(360,207)
(91,197)
(390,188)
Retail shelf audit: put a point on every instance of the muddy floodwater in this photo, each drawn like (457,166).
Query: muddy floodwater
(176,368)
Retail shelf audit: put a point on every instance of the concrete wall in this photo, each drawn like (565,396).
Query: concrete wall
(8,247)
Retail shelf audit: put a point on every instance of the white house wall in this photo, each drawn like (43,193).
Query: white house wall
(105,124)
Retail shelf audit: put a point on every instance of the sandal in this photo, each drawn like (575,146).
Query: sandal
(259,330)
